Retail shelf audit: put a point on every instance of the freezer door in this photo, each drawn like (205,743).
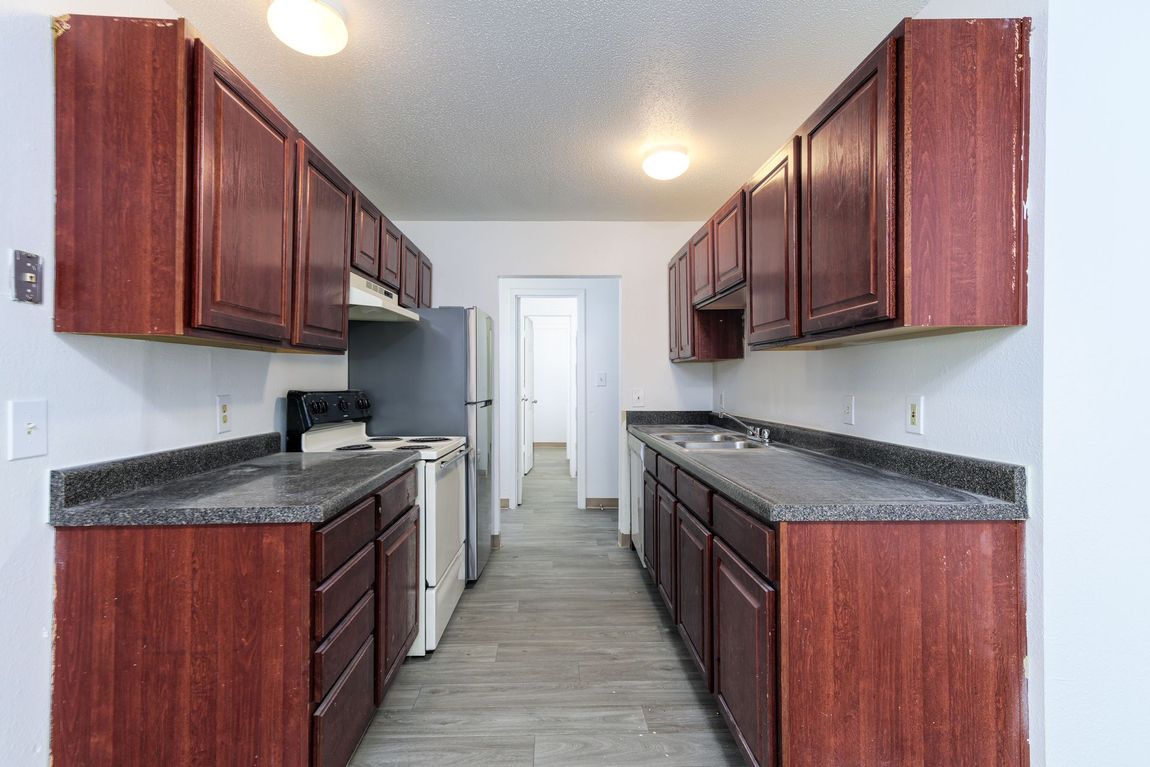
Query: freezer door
(481,489)
(480,355)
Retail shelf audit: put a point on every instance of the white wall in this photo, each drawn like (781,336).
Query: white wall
(1096,517)
(983,390)
(107,398)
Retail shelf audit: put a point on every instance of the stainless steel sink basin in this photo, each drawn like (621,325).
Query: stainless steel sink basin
(725,444)
(701,437)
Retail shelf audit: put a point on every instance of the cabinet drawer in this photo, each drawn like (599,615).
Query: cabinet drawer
(396,497)
(339,722)
(666,473)
(694,495)
(650,461)
(334,655)
(339,539)
(335,597)
(750,539)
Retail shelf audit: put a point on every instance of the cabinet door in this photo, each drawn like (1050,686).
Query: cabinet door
(673,306)
(685,310)
(773,249)
(730,244)
(391,267)
(702,266)
(848,201)
(397,602)
(425,275)
(409,275)
(744,654)
(650,538)
(324,207)
(366,255)
(693,588)
(665,543)
(244,192)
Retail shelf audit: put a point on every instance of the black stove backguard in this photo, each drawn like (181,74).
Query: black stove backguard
(308,409)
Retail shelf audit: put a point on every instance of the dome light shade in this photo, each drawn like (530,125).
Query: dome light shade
(313,27)
(664,163)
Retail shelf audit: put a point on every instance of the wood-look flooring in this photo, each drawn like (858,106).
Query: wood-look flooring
(562,654)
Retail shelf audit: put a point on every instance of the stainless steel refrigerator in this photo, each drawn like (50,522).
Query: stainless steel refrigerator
(435,377)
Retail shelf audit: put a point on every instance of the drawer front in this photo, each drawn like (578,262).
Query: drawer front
(340,721)
(397,497)
(666,473)
(334,655)
(650,461)
(335,597)
(752,540)
(338,540)
(694,495)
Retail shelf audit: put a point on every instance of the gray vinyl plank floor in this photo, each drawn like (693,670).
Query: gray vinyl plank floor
(562,654)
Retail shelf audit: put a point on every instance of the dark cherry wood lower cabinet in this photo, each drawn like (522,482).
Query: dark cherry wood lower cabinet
(397,619)
(744,655)
(665,547)
(693,588)
(650,539)
(231,644)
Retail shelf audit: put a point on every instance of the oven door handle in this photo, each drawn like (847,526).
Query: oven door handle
(455,460)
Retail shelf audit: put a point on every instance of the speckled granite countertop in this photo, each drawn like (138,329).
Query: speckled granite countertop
(272,488)
(786,483)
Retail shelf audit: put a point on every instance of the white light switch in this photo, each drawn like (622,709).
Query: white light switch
(637,398)
(600,379)
(27,429)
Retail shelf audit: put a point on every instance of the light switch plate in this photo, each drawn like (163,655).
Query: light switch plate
(915,412)
(637,398)
(27,278)
(223,413)
(600,379)
(27,429)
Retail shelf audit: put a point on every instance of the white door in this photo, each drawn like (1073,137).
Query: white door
(527,395)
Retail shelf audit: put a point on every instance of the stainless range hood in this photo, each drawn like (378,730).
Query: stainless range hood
(372,302)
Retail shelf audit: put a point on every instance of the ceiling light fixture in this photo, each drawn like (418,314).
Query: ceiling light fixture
(664,163)
(313,27)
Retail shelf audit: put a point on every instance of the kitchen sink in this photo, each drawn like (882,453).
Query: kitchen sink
(701,437)
(724,444)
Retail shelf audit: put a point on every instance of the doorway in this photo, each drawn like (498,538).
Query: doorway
(554,330)
(548,381)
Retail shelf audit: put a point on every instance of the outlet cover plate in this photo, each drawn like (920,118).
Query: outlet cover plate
(915,413)
(28,278)
(223,413)
(849,409)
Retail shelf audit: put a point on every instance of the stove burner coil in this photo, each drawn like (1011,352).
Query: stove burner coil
(360,446)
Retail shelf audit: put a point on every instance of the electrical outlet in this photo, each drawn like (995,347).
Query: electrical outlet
(637,398)
(27,429)
(223,413)
(915,412)
(849,409)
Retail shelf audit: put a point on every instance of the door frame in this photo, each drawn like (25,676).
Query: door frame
(511,310)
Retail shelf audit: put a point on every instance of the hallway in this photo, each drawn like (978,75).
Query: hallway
(563,654)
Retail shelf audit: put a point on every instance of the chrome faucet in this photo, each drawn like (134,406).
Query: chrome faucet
(757,433)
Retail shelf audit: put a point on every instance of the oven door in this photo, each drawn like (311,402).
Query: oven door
(446,499)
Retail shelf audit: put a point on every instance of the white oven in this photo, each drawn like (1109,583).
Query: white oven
(443,560)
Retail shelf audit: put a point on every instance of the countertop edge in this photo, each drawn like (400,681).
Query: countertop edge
(769,510)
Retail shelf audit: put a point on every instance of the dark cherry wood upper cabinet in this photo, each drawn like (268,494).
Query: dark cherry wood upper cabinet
(729,236)
(391,268)
(367,255)
(772,312)
(426,271)
(323,249)
(702,265)
(673,278)
(397,583)
(849,226)
(693,588)
(744,655)
(242,235)
(684,306)
(410,261)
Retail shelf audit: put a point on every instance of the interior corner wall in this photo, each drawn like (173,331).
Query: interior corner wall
(983,389)
(107,397)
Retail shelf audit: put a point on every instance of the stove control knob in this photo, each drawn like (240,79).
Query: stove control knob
(315,407)
(363,403)
(343,406)
(322,406)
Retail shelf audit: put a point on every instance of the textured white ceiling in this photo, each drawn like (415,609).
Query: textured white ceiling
(539,110)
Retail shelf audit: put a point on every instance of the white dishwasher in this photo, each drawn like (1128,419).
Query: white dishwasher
(635,450)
